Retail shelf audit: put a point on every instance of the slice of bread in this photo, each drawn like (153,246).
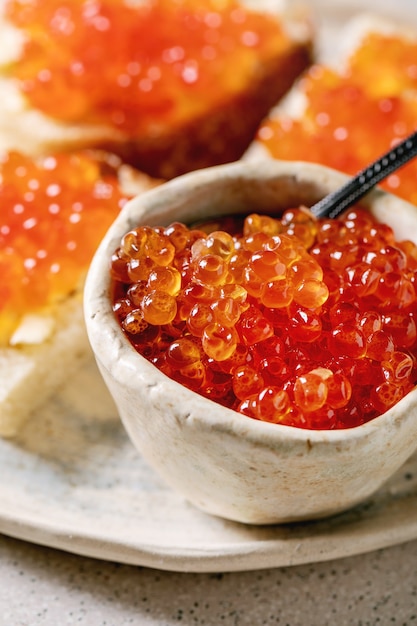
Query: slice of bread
(217,128)
(48,346)
(347,110)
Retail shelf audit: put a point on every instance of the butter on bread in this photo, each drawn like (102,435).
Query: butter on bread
(31,372)
(50,345)
(219,135)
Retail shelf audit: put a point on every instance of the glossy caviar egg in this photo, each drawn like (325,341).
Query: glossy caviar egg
(273,341)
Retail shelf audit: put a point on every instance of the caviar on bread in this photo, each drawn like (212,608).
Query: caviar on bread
(55,210)
(344,115)
(169,86)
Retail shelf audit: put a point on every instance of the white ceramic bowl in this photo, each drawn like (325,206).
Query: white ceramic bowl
(226,463)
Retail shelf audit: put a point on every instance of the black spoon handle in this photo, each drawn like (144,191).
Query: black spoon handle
(334,204)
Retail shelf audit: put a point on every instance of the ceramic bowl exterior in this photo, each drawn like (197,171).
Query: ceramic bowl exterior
(221,461)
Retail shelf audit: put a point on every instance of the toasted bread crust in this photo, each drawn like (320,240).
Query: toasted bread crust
(222,136)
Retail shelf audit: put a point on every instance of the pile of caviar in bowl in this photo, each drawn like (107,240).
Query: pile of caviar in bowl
(289,320)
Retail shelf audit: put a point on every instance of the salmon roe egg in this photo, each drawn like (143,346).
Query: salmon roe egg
(55,210)
(281,340)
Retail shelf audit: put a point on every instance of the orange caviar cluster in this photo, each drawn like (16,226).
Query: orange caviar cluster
(54,212)
(353,116)
(139,67)
(298,321)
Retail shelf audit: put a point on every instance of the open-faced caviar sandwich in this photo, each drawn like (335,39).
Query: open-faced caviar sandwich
(168,86)
(54,211)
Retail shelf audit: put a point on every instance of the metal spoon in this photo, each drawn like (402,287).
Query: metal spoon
(335,203)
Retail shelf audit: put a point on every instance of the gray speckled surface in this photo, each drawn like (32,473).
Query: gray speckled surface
(43,587)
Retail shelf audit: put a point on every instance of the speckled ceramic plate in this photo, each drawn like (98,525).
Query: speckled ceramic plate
(72,480)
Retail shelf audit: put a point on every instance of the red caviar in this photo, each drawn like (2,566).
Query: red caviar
(352,115)
(142,66)
(277,340)
(55,210)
